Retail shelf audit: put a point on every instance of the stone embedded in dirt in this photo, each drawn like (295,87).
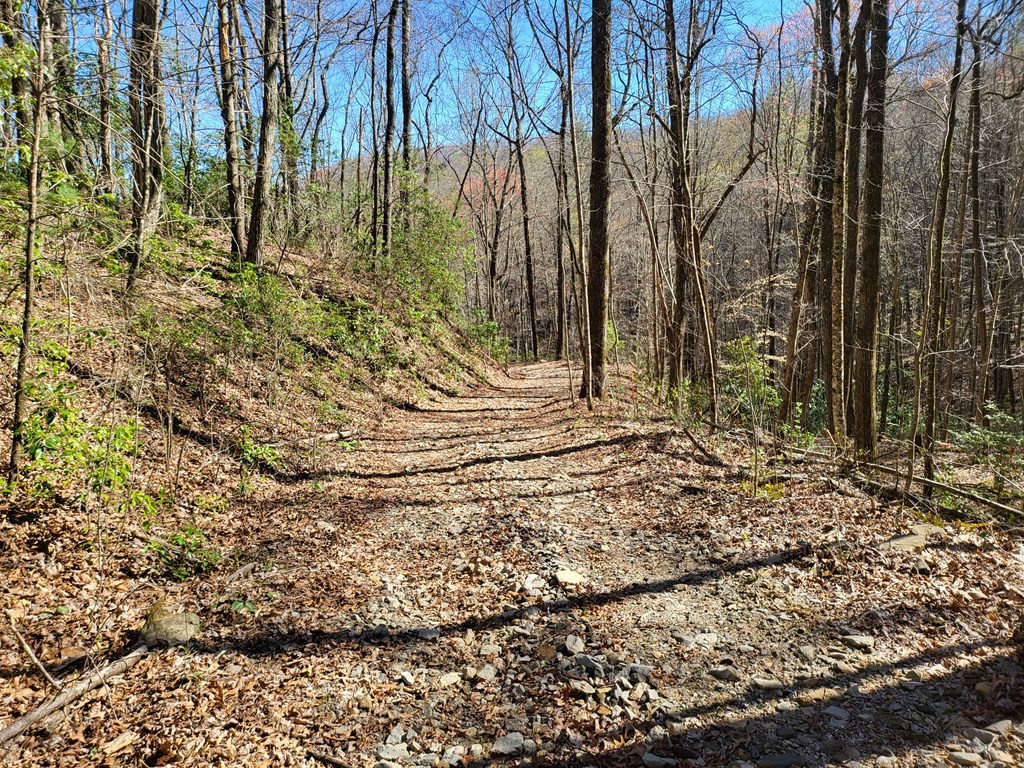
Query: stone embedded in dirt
(729,674)
(534,582)
(785,760)
(453,755)
(965,758)
(490,650)
(574,644)
(687,641)
(1004,728)
(509,744)
(809,652)
(927,529)
(393,751)
(396,736)
(837,712)
(860,642)
(407,677)
(984,736)
(428,634)
(582,687)
(450,679)
(170,628)
(568,578)
(706,640)
(767,683)
(589,663)
(652,760)
(487,673)
(910,542)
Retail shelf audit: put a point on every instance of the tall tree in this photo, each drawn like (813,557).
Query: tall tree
(866,356)
(232,149)
(594,376)
(926,359)
(260,214)
(18,416)
(389,130)
(146,106)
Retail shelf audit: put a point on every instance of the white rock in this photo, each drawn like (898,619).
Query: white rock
(509,744)
(452,678)
(568,578)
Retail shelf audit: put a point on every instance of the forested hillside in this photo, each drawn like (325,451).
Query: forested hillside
(537,383)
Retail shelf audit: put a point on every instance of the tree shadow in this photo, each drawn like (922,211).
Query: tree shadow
(625,440)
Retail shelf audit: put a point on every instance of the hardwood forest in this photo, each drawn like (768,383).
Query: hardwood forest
(529,383)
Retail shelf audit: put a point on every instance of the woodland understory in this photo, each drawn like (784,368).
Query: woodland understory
(416,383)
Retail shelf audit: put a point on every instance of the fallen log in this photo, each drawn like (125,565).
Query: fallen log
(72,693)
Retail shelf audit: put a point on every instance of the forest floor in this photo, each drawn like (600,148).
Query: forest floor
(501,578)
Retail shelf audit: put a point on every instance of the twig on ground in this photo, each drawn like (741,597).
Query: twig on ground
(72,693)
(716,460)
(31,655)
(329,759)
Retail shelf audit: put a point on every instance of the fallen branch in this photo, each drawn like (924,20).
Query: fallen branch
(715,460)
(72,693)
(31,655)
(948,488)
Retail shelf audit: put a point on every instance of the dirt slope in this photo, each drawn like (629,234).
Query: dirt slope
(501,578)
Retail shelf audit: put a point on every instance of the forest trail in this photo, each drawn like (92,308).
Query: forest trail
(502,578)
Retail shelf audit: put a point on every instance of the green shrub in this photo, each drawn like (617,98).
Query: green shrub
(998,445)
(488,335)
(748,390)
(185,553)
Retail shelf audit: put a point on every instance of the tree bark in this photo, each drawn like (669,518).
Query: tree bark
(25,341)
(594,381)
(866,356)
(260,214)
(389,130)
(236,194)
(926,364)
(146,106)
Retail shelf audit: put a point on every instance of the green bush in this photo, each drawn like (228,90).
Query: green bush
(488,335)
(748,390)
(998,445)
(429,250)
(185,553)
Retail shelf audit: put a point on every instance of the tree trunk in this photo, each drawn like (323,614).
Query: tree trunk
(406,88)
(981,324)
(25,346)
(594,380)
(260,214)
(146,107)
(927,363)
(236,194)
(389,130)
(524,197)
(105,86)
(866,356)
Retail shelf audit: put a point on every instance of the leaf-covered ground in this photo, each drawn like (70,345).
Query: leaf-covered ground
(502,578)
